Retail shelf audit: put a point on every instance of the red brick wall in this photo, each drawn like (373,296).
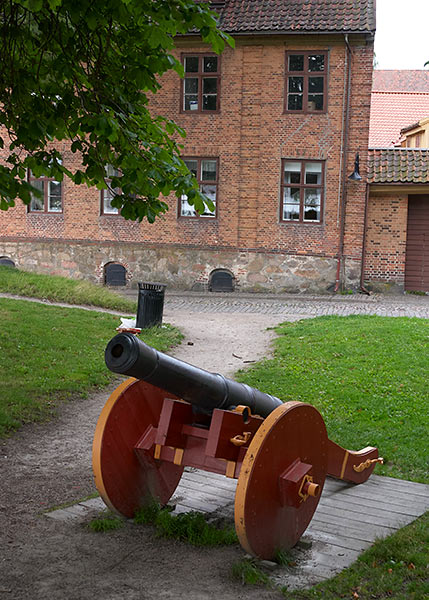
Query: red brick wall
(256,135)
(386,238)
(250,136)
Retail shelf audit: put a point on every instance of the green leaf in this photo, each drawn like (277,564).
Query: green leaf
(54,4)
(158,37)
(78,177)
(33,5)
(92,21)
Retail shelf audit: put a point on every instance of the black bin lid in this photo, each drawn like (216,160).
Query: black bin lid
(154,287)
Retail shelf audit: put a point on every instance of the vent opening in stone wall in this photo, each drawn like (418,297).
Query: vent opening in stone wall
(6,261)
(115,274)
(221,280)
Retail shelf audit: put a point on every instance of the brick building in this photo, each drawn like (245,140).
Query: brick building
(273,129)
(397,216)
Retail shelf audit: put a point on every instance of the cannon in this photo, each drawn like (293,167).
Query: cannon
(170,414)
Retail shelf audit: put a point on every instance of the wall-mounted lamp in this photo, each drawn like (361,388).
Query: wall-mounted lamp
(355,176)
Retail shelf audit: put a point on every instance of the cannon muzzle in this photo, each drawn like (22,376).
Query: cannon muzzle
(128,355)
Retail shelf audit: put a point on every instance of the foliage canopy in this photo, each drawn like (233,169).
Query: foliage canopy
(82,72)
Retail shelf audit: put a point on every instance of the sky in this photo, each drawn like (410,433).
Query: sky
(402,37)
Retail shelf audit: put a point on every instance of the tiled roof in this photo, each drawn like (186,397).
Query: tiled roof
(398,165)
(400,81)
(391,112)
(240,16)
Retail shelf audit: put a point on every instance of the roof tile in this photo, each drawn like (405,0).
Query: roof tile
(398,165)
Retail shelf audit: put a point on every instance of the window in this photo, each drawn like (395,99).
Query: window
(200,86)
(107,195)
(415,141)
(205,171)
(115,274)
(306,82)
(221,280)
(51,200)
(302,191)
(7,262)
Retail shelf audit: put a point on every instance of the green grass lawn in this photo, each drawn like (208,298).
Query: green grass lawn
(62,289)
(50,354)
(368,376)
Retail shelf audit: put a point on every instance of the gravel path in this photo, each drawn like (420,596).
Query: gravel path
(45,465)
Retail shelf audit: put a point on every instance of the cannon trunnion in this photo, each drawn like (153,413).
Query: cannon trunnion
(175,415)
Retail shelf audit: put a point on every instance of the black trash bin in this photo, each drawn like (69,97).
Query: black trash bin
(150,304)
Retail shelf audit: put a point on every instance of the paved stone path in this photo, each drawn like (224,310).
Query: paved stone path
(406,305)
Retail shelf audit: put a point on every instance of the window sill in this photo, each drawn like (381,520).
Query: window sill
(305,112)
(197,112)
(44,214)
(305,223)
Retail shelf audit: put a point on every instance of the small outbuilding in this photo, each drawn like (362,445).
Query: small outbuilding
(397,220)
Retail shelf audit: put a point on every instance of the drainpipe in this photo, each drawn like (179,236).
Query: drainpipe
(344,174)
(365,227)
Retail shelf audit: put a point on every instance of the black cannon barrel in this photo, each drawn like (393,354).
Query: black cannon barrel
(128,355)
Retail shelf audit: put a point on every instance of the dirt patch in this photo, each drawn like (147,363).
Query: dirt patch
(46,465)
(221,342)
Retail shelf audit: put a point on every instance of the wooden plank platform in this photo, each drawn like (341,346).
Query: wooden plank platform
(348,520)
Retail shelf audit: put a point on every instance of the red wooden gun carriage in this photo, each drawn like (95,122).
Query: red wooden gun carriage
(175,415)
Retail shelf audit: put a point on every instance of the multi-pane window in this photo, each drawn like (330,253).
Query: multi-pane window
(51,199)
(306,81)
(200,86)
(302,191)
(205,171)
(108,194)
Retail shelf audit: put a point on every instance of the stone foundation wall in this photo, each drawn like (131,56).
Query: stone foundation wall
(181,268)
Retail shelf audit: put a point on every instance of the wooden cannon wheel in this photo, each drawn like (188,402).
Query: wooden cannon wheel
(293,432)
(126,482)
